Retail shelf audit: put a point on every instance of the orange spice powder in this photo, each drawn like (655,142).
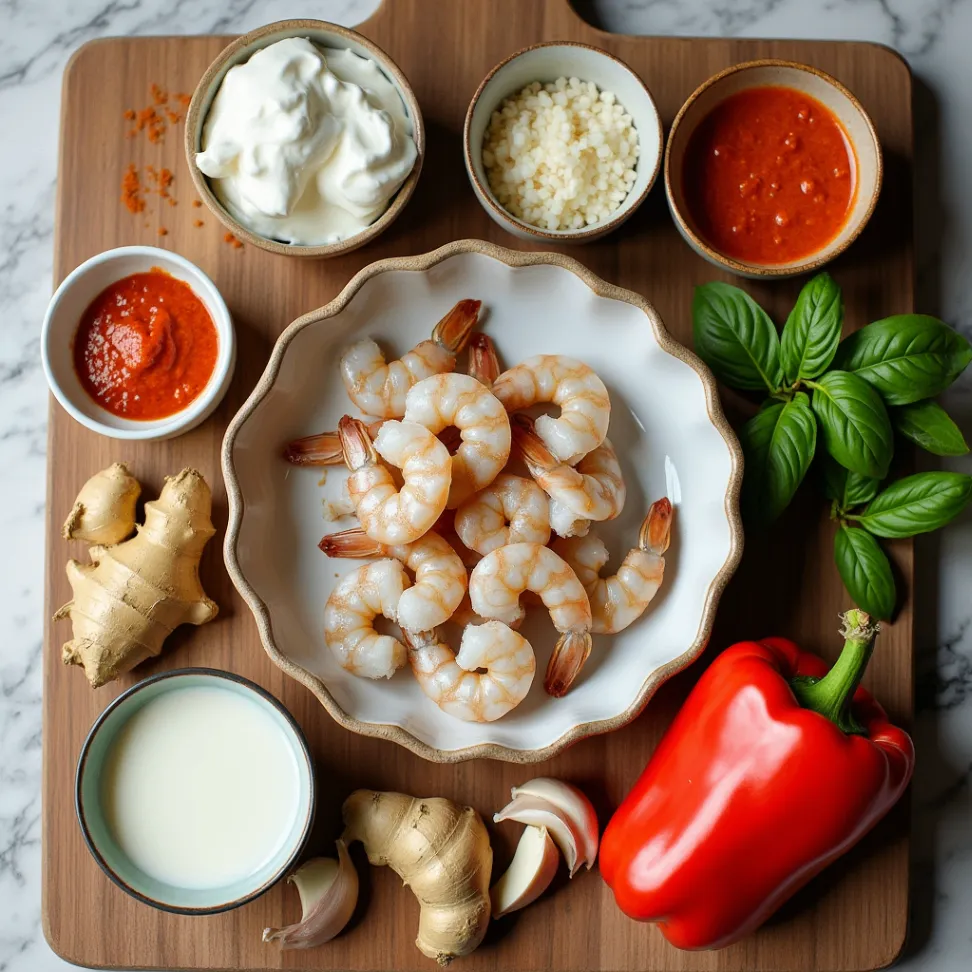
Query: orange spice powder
(131,194)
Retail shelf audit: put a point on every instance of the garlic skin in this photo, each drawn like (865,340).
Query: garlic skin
(564,810)
(533,867)
(104,511)
(328,892)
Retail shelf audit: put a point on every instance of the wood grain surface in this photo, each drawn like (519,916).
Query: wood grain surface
(852,917)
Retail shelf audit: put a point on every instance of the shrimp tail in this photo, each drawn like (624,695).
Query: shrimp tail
(453,331)
(531,447)
(565,663)
(483,360)
(353,543)
(315,450)
(656,531)
(356,445)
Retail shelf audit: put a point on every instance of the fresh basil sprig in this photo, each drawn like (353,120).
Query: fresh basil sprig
(812,380)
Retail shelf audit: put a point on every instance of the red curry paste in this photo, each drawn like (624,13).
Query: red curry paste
(769,175)
(145,347)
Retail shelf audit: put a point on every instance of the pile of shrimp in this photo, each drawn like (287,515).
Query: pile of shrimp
(450,533)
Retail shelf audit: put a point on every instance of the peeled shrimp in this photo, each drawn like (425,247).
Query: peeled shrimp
(498,580)
(585,408)
(510,509)
(455,683)
(385,513)
(440,577)
(379,388)
(484,428)
(592,490)
(617,601)
(351,609)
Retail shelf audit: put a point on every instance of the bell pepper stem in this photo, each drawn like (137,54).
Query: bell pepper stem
(833,694)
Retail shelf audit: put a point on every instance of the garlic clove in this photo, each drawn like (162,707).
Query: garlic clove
(530,872)
(564,810)
(328,892)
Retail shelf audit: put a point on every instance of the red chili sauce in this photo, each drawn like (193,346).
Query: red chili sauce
(769,175)
(146,346)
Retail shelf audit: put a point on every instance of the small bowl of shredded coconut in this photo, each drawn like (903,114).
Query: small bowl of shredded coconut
(562,142)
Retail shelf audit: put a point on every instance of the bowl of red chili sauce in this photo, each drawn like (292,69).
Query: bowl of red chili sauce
(137,343)
(772,168)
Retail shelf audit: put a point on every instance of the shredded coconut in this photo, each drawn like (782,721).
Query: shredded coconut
(561,156)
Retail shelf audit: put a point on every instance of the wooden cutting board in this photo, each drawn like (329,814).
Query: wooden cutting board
(854,916)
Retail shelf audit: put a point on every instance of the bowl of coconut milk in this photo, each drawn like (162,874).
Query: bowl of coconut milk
(195,791)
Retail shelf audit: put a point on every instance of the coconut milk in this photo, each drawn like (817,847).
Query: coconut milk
(200,788)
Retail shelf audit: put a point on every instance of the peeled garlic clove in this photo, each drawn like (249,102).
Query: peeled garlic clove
(104,511)
(328,892)
(564,810)
(530,872)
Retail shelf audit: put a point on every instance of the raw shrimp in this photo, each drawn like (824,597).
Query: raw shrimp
(484,428)
(379,388)
(593,490)
(585,408)
(498,580)
(324,449)
(510,509)
(385,513)
(440,577)
(617,601)
(456,684)
(351,609)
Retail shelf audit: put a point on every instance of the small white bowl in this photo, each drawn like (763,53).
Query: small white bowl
(70,301)
(811,81)
(545,63)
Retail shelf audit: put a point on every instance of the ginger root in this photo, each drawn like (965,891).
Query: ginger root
(132,595)
(441,851)
(104,511)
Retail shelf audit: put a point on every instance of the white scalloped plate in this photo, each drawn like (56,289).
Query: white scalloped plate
(666,424)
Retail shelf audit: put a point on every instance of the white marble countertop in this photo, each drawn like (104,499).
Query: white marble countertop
(39,36)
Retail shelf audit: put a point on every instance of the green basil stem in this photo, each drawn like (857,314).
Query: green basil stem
(833,694)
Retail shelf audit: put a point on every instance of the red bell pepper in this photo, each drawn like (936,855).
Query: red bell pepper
(771,770)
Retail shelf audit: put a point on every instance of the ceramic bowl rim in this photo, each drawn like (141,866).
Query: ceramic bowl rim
(815,260)
(250,686)
(513,259)
(197,410)
(485,195)
(195,120)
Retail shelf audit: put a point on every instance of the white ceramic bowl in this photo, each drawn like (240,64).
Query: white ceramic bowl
(97,833)
(848,111)
(70,301)
(324,35)
(667,426)
(547,62)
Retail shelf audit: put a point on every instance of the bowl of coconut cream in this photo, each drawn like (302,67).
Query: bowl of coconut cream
(304,138)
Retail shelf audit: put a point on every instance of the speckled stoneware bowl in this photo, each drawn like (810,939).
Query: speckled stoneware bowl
(547,62)
(323,34)
(849,112)
(666,424)
(97,835)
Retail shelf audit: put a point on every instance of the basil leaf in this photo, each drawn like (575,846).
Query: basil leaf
(778,444)
(928,424)
(866,572)
(906,358)
(812,330)
(736,338)
(917,504)
(855,424)
(847,488)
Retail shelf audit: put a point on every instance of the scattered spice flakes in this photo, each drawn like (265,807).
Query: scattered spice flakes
(155,118)
(163,231)
(233,241)
(131,193)
(129,114)
(197,223)
(197,203)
